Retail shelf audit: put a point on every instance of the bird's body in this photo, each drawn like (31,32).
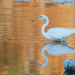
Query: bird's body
(55,34)
(55,48)
(59,34)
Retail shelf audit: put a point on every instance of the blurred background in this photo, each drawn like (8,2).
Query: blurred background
(21,40)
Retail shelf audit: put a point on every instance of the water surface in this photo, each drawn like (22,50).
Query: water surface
(21,40)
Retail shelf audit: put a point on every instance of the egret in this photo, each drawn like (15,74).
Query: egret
(55,34)
(55,48)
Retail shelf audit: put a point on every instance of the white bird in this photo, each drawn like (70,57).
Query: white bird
(55,34)
(55,48)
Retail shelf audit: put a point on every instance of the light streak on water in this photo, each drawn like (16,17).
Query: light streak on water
(58,1)
(22,0)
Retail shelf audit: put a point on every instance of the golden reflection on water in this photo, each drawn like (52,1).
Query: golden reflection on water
(20,40)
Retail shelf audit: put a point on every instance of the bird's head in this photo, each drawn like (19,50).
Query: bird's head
(40,64)
(41,17)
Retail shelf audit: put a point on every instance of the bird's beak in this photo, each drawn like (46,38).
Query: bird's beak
(37,63)
(36,19)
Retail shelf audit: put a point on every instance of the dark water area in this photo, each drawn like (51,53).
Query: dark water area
(21,41)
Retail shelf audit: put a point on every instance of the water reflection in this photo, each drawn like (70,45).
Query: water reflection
(46,1)
(22,0)
(64,1)
(58,1)
(17,56)
(55,48)
(72,4)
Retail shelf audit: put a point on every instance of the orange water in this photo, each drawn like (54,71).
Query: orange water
(21,40)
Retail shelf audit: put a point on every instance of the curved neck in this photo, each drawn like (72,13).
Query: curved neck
(43,27)
(44,57)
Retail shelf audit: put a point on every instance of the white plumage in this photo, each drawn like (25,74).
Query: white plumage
(55,48)
(55,34)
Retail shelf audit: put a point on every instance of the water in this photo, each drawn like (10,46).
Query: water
(22,0)
(72,4)
(21,40)
(58,1)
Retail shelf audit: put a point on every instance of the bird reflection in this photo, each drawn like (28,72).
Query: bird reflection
(55,48)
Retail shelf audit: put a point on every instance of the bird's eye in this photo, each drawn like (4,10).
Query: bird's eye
(40,16)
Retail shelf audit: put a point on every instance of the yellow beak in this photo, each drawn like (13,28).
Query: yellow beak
(35,19)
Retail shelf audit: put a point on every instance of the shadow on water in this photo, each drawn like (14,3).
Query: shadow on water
(55,48)
(69,73)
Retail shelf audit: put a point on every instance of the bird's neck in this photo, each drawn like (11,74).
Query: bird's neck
(43,27)
(44,57)
(46,61)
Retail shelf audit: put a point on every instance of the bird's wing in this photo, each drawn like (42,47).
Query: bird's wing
(59,33)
